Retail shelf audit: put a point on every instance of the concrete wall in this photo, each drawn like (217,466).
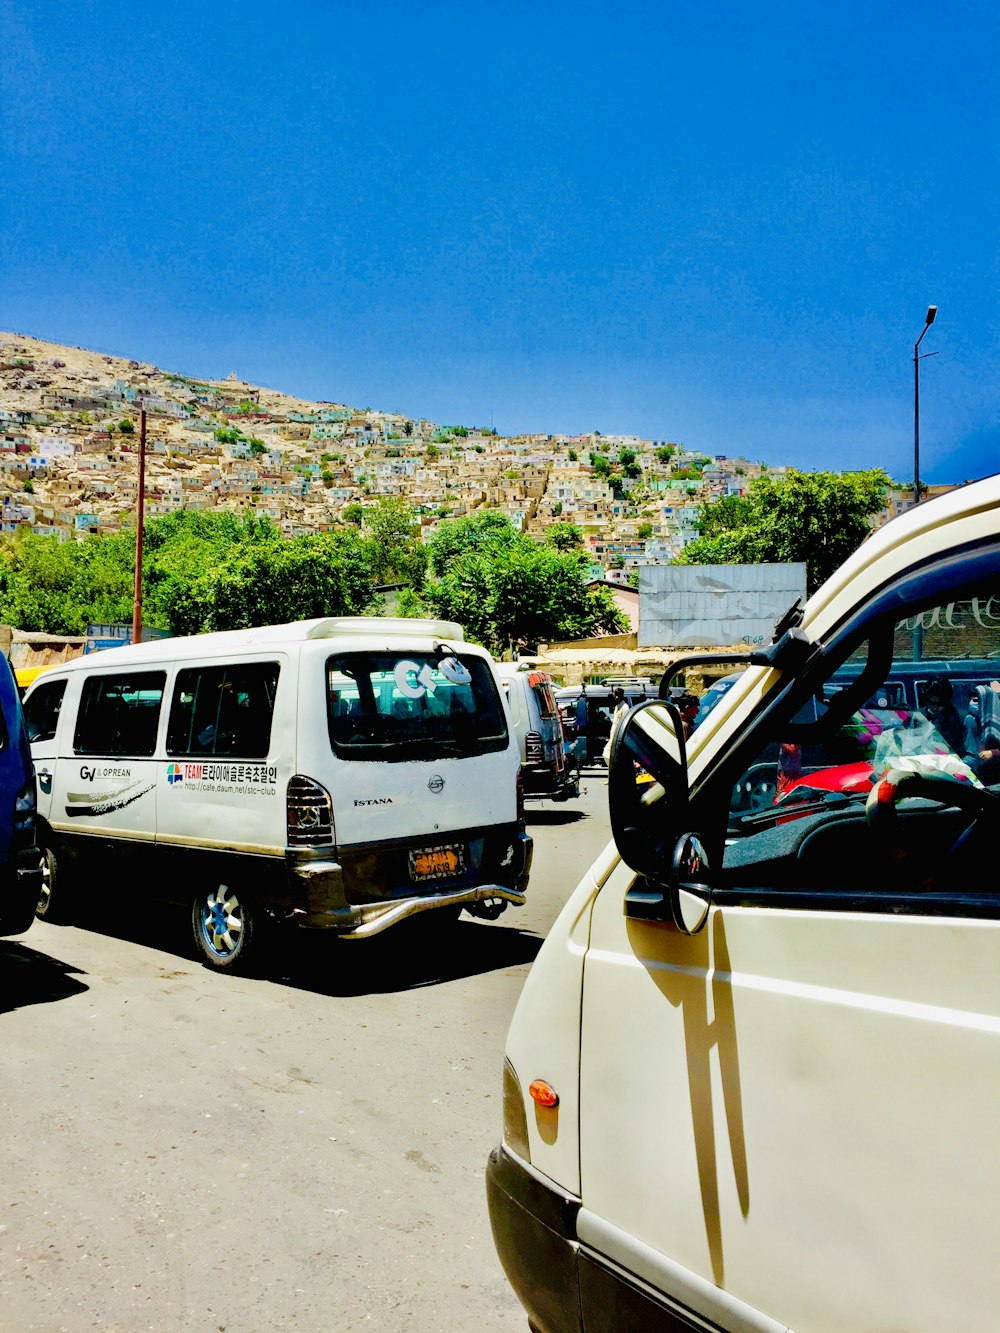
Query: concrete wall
(714,605)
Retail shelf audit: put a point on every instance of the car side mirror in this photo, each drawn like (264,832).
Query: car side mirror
(648,803)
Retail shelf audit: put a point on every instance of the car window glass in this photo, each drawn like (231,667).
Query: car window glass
(119,713)
(41,710)
(797,810)
(391,706)
(223,711)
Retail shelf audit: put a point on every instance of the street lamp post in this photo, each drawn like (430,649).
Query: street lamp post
(917,358)
(140,509)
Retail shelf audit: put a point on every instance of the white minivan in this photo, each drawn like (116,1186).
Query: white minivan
(341,773)
(753,1077)
(545,769)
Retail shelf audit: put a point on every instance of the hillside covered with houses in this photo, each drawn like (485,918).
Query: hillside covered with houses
(69,433)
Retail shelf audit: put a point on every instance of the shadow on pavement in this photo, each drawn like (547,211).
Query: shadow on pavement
(30,977)
(410,956)
(416,953)
(552,815)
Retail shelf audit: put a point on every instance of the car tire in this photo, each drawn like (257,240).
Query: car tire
(53,903)
(224,923)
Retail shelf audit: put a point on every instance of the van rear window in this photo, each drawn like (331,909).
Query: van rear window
(389,706)
(541,686)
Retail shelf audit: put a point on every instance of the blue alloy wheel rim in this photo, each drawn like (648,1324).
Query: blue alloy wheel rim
(222,923)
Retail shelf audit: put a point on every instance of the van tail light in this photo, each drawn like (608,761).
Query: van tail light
(520,794)
(533,751)
(310,814)
(24,816)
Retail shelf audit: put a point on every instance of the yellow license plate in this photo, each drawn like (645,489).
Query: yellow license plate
(437,863)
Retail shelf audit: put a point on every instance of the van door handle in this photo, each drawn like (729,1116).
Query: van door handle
(44,780)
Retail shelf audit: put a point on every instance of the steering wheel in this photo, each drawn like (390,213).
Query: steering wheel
(881,808)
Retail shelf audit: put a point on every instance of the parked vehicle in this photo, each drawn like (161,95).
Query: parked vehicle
(752,1077)
(338,773)
(587,710)
(530,697)
(20,875)
(26,676)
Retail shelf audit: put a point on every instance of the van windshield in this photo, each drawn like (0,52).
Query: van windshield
(393,706)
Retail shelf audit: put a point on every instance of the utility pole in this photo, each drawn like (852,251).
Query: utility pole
(917,358)
(140,506)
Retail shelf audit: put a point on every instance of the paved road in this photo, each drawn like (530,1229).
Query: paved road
(183,1150)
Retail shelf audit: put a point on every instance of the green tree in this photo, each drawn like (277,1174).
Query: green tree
(126,426)
(484,531)
(817,518)
(53,587)
(564,536)
(393,547)
(323,574)
(505,588)
(644,530)
(628,464)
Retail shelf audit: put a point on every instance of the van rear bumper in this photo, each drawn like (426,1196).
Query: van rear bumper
(359,891)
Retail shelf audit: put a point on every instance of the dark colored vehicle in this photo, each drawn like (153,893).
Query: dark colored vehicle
(20,864)
(587,710)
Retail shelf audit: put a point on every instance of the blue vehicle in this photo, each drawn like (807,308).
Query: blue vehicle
(20,863)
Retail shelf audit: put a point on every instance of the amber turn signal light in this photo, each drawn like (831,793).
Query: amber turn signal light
(543,1093)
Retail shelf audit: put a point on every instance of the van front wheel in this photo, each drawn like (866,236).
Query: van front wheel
(52,902)
(223,922)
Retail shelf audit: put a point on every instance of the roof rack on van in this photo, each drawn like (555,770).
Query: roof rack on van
(328,628)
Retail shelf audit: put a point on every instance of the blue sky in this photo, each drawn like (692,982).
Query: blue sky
(713,223)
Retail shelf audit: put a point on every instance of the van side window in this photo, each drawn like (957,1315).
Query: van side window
(119,714)
(922,695)
(223,711)
(41,710)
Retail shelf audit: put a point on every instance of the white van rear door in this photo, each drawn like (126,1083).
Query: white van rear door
(409,742)
(383,801)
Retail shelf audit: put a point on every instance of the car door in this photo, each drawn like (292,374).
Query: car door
(41,713)
(790,1116)
(106,793)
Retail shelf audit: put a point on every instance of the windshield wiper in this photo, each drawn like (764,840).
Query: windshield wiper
(836,800)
